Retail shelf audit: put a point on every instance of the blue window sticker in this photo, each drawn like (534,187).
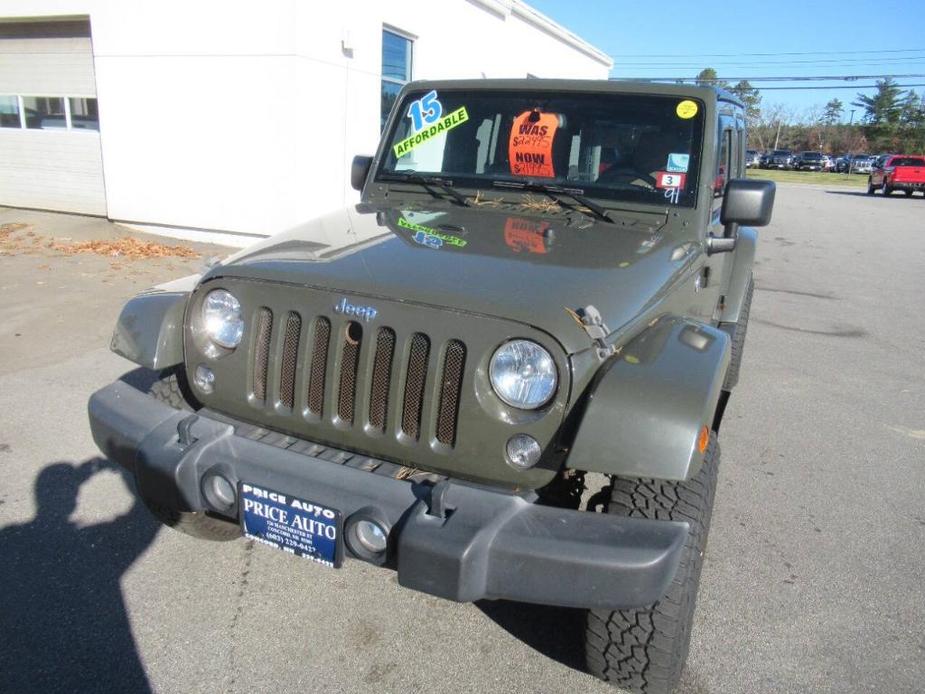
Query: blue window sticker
(425,111)
(678,162)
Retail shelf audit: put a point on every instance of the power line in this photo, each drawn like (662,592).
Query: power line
(736,55)
(793,78)
(771,63)
(837,86)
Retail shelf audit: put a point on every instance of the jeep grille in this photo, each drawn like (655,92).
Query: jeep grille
(337,347)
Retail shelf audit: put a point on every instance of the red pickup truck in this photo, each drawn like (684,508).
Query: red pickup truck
(897,172)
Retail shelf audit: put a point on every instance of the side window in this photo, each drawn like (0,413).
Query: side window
(724,161)
(396,69)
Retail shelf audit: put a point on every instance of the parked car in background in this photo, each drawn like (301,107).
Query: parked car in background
(779,159)
(752,158)
(855,163)
(862,165)
(828,162)
(809,161)
(897,172)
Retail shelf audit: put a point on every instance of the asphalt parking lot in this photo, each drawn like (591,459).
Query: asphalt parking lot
(813,579)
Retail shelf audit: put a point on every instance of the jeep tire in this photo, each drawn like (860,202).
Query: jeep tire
(171,389)
(737,332)
(644,649)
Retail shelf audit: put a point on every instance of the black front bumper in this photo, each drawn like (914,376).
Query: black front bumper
(450,539)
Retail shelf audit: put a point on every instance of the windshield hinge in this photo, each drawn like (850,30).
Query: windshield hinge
(591,321)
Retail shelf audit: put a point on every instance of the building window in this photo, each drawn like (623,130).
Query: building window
(9,112)
(44,112)
(49,112)
(84,114)
(396,68)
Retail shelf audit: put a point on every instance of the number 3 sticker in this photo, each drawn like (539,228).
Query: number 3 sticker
(425,110)
(667,179)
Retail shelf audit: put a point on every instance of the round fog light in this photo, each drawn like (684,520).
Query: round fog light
(523,451)
(219,492)
(204,378)
(223,490)
(370,536)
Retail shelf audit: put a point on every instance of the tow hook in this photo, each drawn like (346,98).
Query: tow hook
(185,431)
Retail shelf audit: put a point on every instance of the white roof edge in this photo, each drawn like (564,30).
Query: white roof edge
(541,21)
(521,9)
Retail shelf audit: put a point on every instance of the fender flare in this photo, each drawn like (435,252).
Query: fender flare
(646,409)
(149,331)
(746,242)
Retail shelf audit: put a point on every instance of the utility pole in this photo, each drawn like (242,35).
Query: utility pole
(777,138)
(850,156)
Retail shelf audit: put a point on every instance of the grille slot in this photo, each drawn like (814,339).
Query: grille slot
(454,363)
(290,357)
(262,352)
(318,366)
(347,390)
(413,401)
(382,379)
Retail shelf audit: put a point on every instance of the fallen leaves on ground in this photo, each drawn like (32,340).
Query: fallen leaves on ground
(7,229)
(127,247)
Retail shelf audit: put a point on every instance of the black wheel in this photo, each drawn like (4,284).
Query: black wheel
(870,186)
(885,188)
(171,388)
(907,193)
(644,649)
(737,332)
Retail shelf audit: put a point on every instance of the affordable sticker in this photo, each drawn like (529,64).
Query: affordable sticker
(457,117)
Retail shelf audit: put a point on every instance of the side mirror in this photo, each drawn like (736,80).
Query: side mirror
(748,202)
(745,202)
(359,170)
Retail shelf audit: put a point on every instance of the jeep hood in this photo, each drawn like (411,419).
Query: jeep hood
(480,260)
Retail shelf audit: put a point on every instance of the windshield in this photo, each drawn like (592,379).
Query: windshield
(908,161)
(626,147)
(812,155)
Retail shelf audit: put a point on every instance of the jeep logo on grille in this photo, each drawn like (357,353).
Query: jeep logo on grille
(367,313)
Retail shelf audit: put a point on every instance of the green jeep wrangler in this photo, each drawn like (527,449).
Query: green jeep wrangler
(501,374)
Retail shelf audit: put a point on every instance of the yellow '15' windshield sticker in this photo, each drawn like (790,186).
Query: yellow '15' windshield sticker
(457,117)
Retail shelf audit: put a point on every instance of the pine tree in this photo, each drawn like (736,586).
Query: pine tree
(752,100)
(885,107)
(833,112)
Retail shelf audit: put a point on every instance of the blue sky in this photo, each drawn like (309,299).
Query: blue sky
(672,39)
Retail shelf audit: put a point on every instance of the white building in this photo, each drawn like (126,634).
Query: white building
(233,116)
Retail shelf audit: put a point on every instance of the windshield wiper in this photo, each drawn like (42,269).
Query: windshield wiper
(442,183)
(553,191)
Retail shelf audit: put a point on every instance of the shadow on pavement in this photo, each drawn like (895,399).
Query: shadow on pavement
(556,632)
(62,617)
(861,193)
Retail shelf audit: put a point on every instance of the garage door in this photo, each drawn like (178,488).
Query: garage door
(49,125)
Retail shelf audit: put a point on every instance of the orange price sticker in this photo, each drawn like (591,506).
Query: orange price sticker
(526,235)
(530,146)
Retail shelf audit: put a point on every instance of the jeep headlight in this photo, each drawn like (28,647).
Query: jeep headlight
(523,374)
(221,318)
